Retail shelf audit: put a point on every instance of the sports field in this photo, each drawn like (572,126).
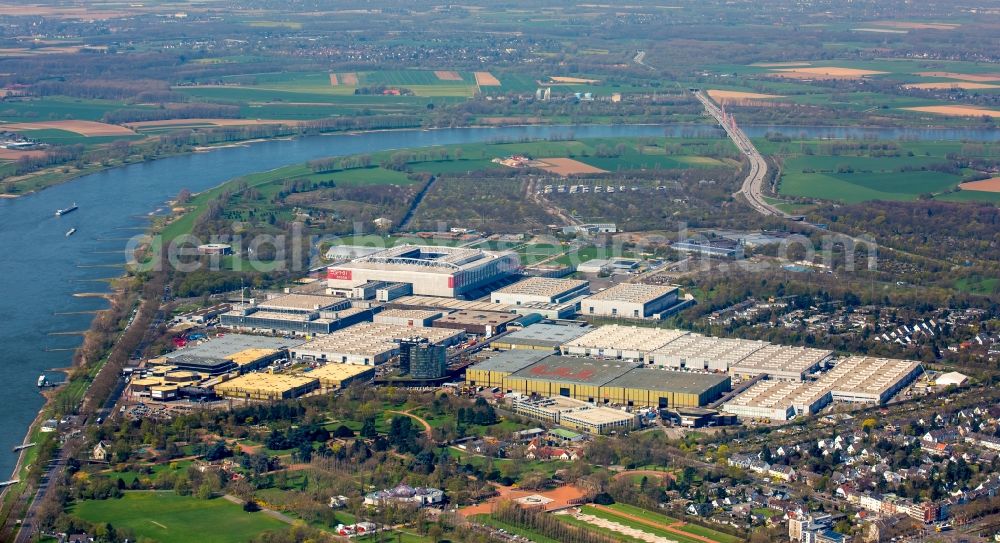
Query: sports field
(170,518)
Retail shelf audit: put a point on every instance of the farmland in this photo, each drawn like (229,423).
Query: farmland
(905,171)
(318,87)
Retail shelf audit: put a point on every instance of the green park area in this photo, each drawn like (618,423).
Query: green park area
(168,518)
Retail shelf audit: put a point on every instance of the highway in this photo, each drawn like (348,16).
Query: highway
(754,182)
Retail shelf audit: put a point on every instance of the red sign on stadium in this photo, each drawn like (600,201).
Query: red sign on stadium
(340,275)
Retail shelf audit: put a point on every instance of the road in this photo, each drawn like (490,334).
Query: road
(640,58)
(533,191)
(754,182)
(26,531)
(56,465)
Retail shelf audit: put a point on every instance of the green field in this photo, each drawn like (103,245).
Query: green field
(64,137)
(373,175)
(308,97)
(971,196)
(810,171)
(980,286)
(169,518)
(57,108)
(860,187)
(129,476)
(767,512)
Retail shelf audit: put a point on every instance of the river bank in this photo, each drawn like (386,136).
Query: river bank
(37,181)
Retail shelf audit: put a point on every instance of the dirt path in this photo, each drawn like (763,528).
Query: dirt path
(675,527)
(646,472)
(424,423)
(531,191)
(269,512)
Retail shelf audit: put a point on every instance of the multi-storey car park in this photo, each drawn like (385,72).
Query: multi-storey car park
(370,343)
(696,352)
(625,342)
(541,289)
(630,300)
(780,362)
(430,270)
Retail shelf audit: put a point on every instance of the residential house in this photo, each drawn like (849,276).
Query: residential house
(101,452)
(785,473)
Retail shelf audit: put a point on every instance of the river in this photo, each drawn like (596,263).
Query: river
(44,268)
